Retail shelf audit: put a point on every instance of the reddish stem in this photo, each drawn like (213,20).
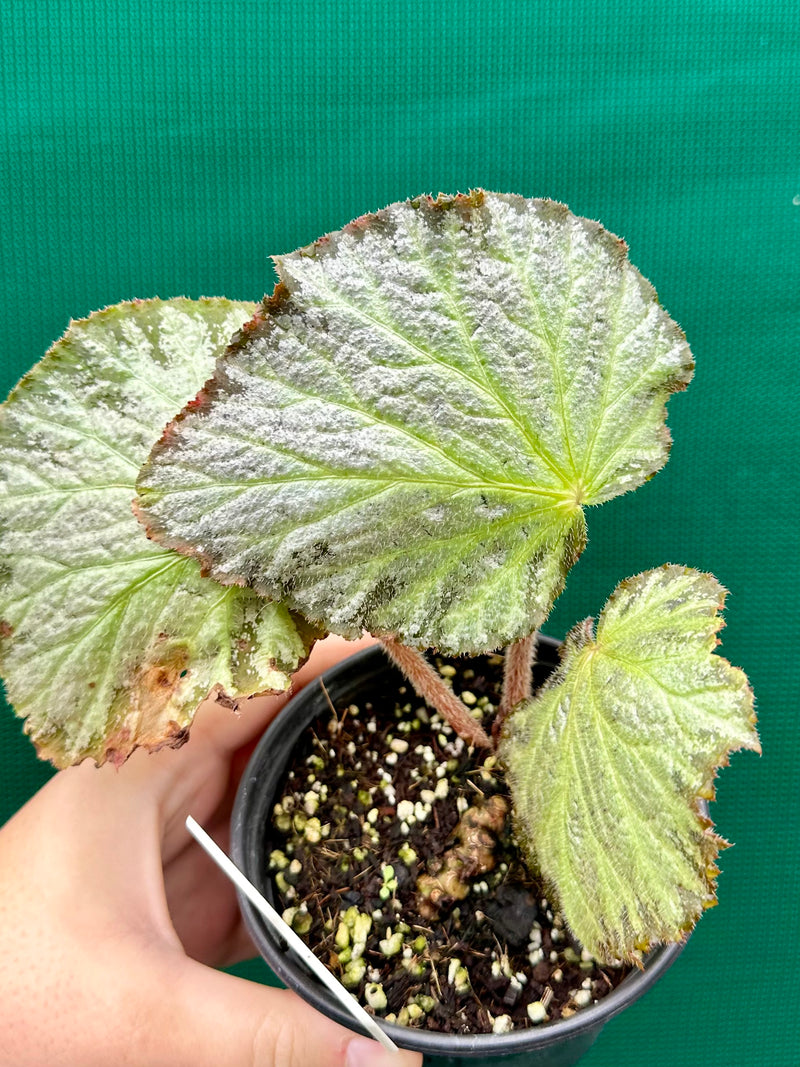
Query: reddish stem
(517,680)
(429,685)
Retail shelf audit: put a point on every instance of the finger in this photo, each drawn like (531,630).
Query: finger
(215,1020)
(233,729)
(94,945)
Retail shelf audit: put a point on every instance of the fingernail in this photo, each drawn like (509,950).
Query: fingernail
(361,1052)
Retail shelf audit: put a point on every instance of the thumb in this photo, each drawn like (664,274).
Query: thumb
(216,1020)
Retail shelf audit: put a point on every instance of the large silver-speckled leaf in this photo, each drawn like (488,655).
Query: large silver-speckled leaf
(108,641)
(607,763)
(406,440)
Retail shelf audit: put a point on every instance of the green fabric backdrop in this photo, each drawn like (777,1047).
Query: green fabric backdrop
(150,148)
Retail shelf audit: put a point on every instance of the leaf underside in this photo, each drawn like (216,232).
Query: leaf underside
(607,763)
(107,641)
(405,441)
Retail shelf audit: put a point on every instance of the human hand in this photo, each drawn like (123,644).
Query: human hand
(112,919)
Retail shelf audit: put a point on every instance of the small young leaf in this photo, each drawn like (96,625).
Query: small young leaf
(607,763)
(406,439)
(107,641)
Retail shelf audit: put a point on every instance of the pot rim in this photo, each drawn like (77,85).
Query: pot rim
(285,730)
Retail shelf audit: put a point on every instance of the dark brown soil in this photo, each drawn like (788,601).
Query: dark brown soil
(371,803)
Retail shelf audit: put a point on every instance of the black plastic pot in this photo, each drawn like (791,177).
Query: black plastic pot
(558,1044)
